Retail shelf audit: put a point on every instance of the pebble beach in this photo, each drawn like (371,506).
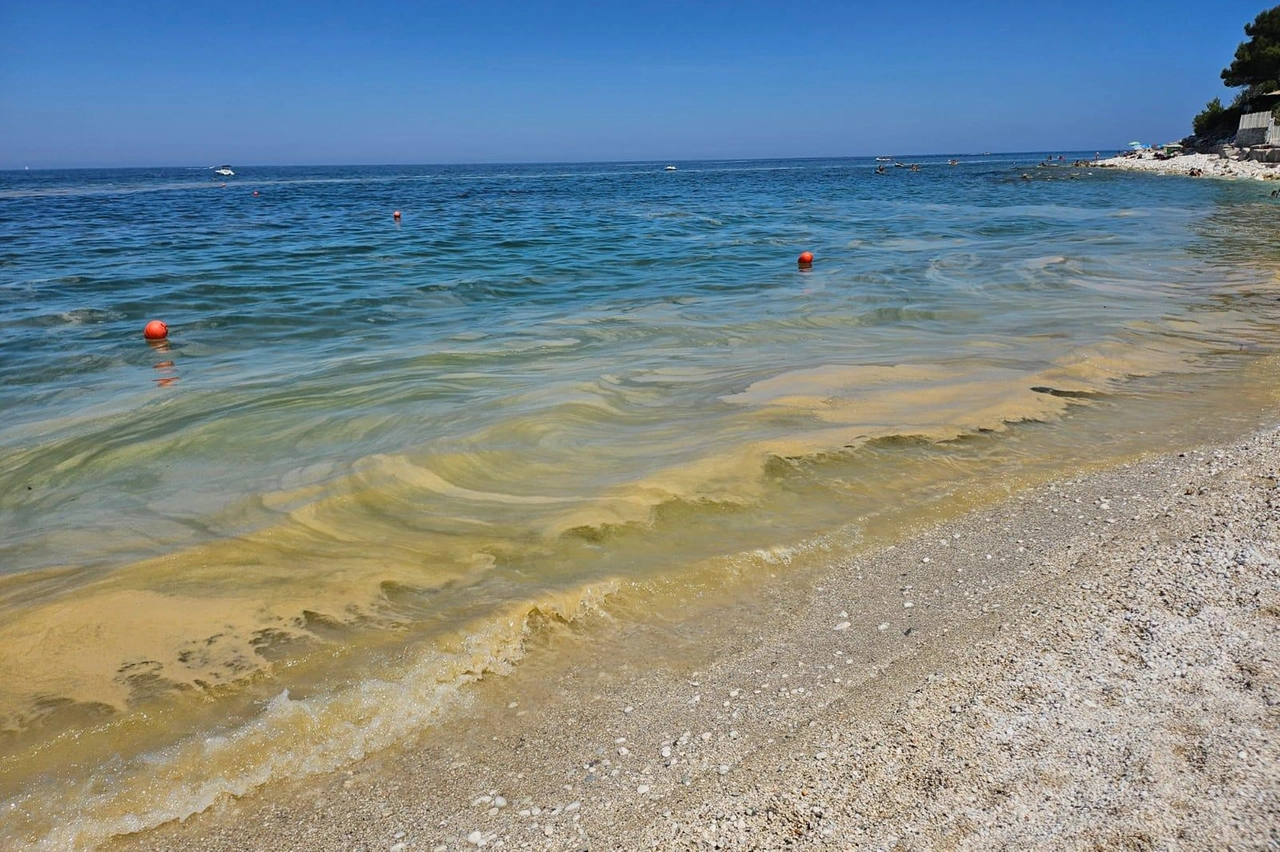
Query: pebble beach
(1093,664)
(1209,165)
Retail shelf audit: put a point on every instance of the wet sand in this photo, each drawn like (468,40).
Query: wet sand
(1094,664)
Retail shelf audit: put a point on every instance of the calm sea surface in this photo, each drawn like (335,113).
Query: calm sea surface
(374,458)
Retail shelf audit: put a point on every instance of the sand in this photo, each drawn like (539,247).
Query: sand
(1094,665)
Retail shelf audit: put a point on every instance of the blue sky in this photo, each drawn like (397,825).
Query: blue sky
(170,83)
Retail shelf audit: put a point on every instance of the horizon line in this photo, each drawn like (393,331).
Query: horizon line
(564,162)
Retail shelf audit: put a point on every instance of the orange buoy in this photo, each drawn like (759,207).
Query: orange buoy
(155,330)
(396,215)
(805,259)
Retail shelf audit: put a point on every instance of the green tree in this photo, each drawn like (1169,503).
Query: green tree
(1216,121)
(1208,118)
(1257,61)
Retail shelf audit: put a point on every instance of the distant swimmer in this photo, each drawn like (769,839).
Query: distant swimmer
(880,170)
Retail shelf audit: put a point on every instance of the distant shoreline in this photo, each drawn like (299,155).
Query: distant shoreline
(1208,165)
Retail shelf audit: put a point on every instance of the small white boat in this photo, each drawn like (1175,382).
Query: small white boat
(669,169)
(884,159)
(225,171)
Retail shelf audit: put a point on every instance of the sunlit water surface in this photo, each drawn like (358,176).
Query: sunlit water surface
(376,457)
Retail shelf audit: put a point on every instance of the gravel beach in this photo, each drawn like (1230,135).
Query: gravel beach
(1093,664)
(1210,165)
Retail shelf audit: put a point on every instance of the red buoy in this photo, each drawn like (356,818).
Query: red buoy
(805,259)
(155,330)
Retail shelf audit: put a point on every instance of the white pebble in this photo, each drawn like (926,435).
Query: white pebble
(399,847)
(499,802)
(844,625)
(884,625)
(666,751)
(642,789)
(475,838)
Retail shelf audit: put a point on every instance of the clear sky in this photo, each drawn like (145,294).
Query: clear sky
(152,83)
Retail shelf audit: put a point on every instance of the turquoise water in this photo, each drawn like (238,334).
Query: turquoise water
(374,455)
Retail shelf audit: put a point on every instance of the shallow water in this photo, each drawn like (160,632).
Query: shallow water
(374,458)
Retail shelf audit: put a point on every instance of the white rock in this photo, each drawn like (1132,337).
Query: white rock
(844,625)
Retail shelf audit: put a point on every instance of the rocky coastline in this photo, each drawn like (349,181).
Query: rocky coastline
(1233,163)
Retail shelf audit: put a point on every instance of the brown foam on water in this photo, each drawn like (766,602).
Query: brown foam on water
(288,736)
(399,529)
(297,735)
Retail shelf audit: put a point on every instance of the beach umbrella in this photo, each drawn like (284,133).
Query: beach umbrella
(1135,144)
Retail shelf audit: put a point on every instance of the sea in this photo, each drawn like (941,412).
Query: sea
(382,459)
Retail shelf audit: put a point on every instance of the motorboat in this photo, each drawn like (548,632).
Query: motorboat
(884,159)
(669,169)
(225,171)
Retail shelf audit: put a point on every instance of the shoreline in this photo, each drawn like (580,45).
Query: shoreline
(1094,663)
(1209,165)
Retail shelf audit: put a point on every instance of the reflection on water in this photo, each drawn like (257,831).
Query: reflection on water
(374,460)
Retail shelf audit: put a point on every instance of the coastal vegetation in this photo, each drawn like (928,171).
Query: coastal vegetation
(1254,71)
